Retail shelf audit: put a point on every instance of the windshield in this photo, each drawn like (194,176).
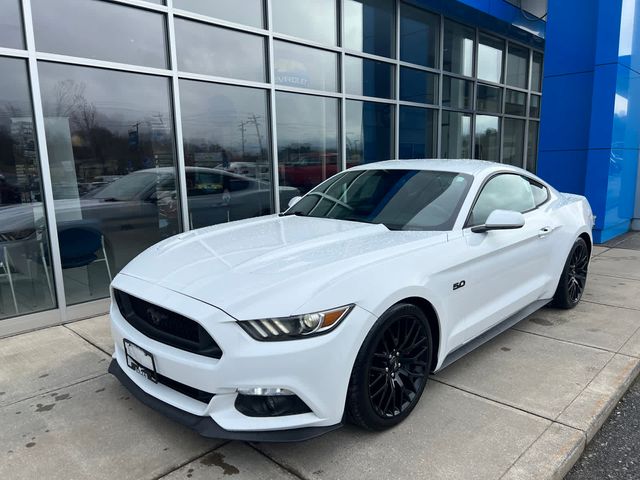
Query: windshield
(398,199)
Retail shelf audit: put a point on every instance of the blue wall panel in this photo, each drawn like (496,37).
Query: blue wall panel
(569,96)
(572,164)
(579,25)
(591,104)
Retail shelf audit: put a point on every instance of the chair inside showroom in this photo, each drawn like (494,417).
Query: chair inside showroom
(80,243)
(5,271)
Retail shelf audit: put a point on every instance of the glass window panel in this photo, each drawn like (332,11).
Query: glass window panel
(457,93)
(247,12)
(368,77)
(490,58)
(369,26)
(111,158)
(518,66)
(513,142)
(487,138)
(534,106)
(369,132)
(419,36)
(226,151)
(418,132)
(314,20)
(515,103)
(504,192)
(456,135)
(11,24)
(536,72)
(26,278)
(489,99)
(532,147)
(85,28)
(418,86)
(215,50)
(307,139)
(458,48)
(305,67)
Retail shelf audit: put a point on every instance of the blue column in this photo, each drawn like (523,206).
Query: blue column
(590,126)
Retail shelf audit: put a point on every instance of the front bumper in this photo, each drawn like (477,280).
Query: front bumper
(316,369)
(206,427)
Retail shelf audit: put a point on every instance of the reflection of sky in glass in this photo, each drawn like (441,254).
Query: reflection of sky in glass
(223,115)
(120,99)
(353,29)
(219,51)
(485,123)
(621,106)
(311,19)
(10,24)
(307,119)
(458,48)
(14,90)
(247,12)
(369,26)
(627,27)
(490,59)
(304,67)
(100,30)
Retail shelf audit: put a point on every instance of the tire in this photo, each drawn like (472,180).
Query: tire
(573,278)
(400,341)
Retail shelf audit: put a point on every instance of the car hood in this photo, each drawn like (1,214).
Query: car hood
(269,266)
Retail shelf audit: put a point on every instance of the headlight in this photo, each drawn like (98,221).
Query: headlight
(299,326)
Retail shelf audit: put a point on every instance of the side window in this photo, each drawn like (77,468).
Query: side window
(502,192)
(203,183)
(540,193)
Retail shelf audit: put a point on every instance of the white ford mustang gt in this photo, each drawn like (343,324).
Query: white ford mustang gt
(282,327)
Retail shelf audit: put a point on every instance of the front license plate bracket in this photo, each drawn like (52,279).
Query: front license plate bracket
(140,361)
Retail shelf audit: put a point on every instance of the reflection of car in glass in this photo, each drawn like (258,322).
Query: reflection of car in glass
(259,171)
(279,328)
(306,171)
(139,209)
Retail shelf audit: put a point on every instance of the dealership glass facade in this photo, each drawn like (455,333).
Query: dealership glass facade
(198,113)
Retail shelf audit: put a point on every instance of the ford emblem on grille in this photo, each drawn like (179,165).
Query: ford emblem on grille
(156,316)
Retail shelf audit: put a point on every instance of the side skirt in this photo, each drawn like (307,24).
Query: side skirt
(492,332)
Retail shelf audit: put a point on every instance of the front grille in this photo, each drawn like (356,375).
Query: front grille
(199,395)
(166,326)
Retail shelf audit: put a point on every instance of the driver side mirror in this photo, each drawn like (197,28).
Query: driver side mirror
(293,201)
(501,220)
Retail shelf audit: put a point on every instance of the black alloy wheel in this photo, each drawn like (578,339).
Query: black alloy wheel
(391,369)
(577,274)
(397,370)
(574,277)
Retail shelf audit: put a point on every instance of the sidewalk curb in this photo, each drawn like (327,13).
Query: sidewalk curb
(555,452)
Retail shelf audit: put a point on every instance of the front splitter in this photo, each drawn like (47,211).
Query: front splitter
(207,427)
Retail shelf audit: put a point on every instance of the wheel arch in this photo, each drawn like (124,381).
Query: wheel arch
(434,323)
(587,239)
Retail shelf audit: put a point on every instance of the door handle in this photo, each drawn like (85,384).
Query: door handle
(544,231)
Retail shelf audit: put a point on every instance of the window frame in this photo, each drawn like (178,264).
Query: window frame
(467,222)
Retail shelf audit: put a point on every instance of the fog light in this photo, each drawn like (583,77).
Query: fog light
(265,391)
(271,404)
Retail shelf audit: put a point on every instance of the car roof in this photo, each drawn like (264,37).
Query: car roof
(470,167)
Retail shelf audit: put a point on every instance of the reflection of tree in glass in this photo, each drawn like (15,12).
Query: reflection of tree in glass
(106,139)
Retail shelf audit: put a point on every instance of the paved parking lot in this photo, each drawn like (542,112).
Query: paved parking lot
(522,406)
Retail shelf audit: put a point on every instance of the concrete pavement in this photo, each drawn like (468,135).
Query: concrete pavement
(522,406)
